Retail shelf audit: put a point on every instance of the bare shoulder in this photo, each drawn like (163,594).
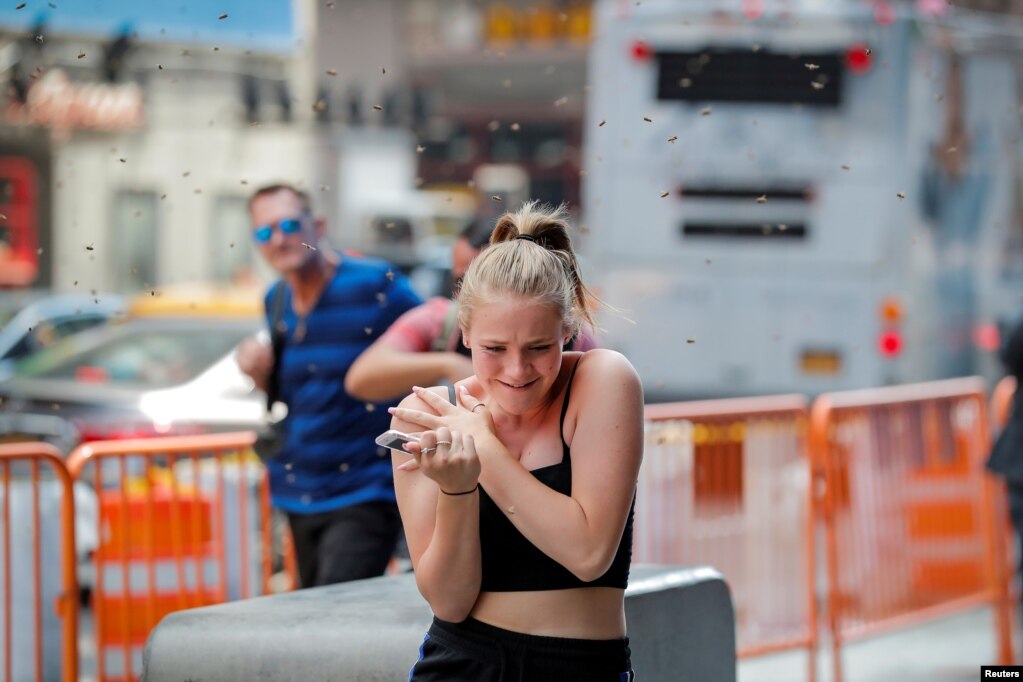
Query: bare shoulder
(605,412)
(602,364)
(605,377)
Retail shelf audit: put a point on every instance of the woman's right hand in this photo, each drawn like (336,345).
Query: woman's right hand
(446,457)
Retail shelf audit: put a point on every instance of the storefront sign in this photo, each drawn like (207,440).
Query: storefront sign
(59,103)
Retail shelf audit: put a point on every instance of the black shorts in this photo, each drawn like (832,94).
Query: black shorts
(476,652)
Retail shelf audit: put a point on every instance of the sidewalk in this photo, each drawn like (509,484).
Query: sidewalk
(948,650)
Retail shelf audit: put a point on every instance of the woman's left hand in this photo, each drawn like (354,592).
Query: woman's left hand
(469,416)
(446,457)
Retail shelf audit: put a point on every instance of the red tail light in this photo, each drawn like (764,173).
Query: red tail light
(752,9)
(641,51)
(96,431)
(890,344)
(92,434)
(88,374)
(858,59)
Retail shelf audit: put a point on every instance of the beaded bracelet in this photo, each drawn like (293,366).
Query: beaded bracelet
(464,492)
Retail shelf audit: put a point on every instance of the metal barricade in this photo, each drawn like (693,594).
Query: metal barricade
(911,523)
(37,574)
(726,483)
(183,522)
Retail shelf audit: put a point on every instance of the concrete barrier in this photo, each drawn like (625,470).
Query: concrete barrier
(681,627)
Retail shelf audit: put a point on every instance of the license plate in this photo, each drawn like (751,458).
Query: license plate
(820,362)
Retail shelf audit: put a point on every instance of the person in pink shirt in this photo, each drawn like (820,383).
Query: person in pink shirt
(424,346)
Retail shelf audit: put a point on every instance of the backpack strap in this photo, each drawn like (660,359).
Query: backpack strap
(277,336)
(443,340)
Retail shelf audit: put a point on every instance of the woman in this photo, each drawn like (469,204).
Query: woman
(517,499)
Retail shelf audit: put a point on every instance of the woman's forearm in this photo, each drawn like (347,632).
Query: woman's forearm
(449,571)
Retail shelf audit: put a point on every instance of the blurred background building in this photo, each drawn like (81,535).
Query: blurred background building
(132,134)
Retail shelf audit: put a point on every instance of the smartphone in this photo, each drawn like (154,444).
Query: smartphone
(394,440)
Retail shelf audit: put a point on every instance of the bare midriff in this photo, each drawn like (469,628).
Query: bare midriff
(579,613)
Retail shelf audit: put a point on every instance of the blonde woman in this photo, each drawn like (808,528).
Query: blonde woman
(517,498)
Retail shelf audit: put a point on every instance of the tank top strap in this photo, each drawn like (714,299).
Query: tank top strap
(568,395)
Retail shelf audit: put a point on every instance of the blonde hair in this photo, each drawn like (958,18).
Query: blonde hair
(530,255)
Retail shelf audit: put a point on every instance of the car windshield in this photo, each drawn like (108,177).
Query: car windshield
(136,356)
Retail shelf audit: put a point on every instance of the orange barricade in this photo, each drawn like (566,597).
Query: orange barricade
(726,483)
(39,583)
(183,522)
(911,522)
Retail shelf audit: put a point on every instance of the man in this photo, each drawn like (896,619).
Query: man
(424,346)
(956,186)
(330,478)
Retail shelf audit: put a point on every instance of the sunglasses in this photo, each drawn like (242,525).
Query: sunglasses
(264,233)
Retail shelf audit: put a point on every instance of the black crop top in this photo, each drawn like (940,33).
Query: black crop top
(511,563)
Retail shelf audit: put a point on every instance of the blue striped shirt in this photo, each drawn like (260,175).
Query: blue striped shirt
(329,459)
